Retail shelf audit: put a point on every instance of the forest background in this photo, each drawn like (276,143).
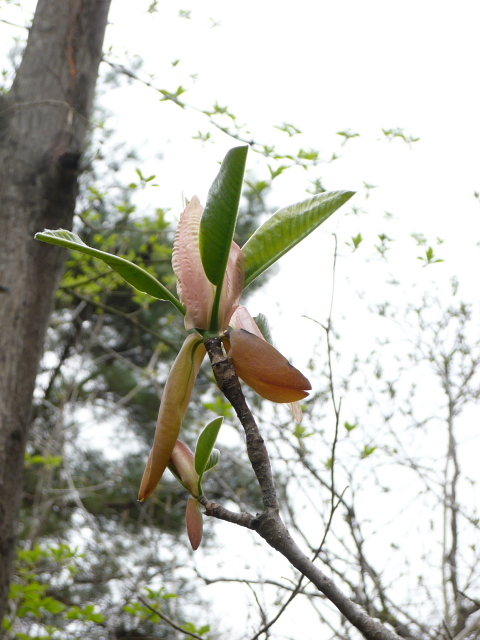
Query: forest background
(390,77)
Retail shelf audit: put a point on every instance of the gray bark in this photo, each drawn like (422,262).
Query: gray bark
(43,123)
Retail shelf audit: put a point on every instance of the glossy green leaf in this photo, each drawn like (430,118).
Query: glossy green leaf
(133,274)
(220,215)
(286,228)
(205,443)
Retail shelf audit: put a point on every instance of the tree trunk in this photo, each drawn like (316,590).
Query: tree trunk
(43,123)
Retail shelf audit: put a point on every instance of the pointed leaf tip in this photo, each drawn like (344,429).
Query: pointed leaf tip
(205,443)
(286,228)
(132,273)
(220,216)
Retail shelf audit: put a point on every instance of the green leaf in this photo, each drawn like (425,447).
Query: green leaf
(87,614)
(219,406)
(133,274)
(367,451)
(213,460)
(286,228)
(204,629)
(262,323)
(48,461)
(220,215)
(301,432)
(205,443)
(53,605)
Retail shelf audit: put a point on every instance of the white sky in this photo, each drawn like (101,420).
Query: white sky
(325,67)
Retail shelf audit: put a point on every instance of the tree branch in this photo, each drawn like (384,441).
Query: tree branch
(170,622)
(268,524)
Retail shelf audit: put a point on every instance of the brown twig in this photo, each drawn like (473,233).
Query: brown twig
(229,385)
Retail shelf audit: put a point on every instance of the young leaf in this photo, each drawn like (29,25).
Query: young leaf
(133,274)
(286,228)
(220,215)
(213,460)
(205,443)
(367,451)
(262,323)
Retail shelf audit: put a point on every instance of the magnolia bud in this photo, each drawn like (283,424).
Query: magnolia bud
(194,520)
(174,405)
(264,368)
(183,463)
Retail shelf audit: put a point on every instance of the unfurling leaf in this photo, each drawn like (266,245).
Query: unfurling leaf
(174,404)
(205,443)
(183,467)
(213,460)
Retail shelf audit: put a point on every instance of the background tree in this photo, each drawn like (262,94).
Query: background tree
(401,474)
(44,121)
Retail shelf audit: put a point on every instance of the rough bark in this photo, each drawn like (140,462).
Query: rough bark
(43,123)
